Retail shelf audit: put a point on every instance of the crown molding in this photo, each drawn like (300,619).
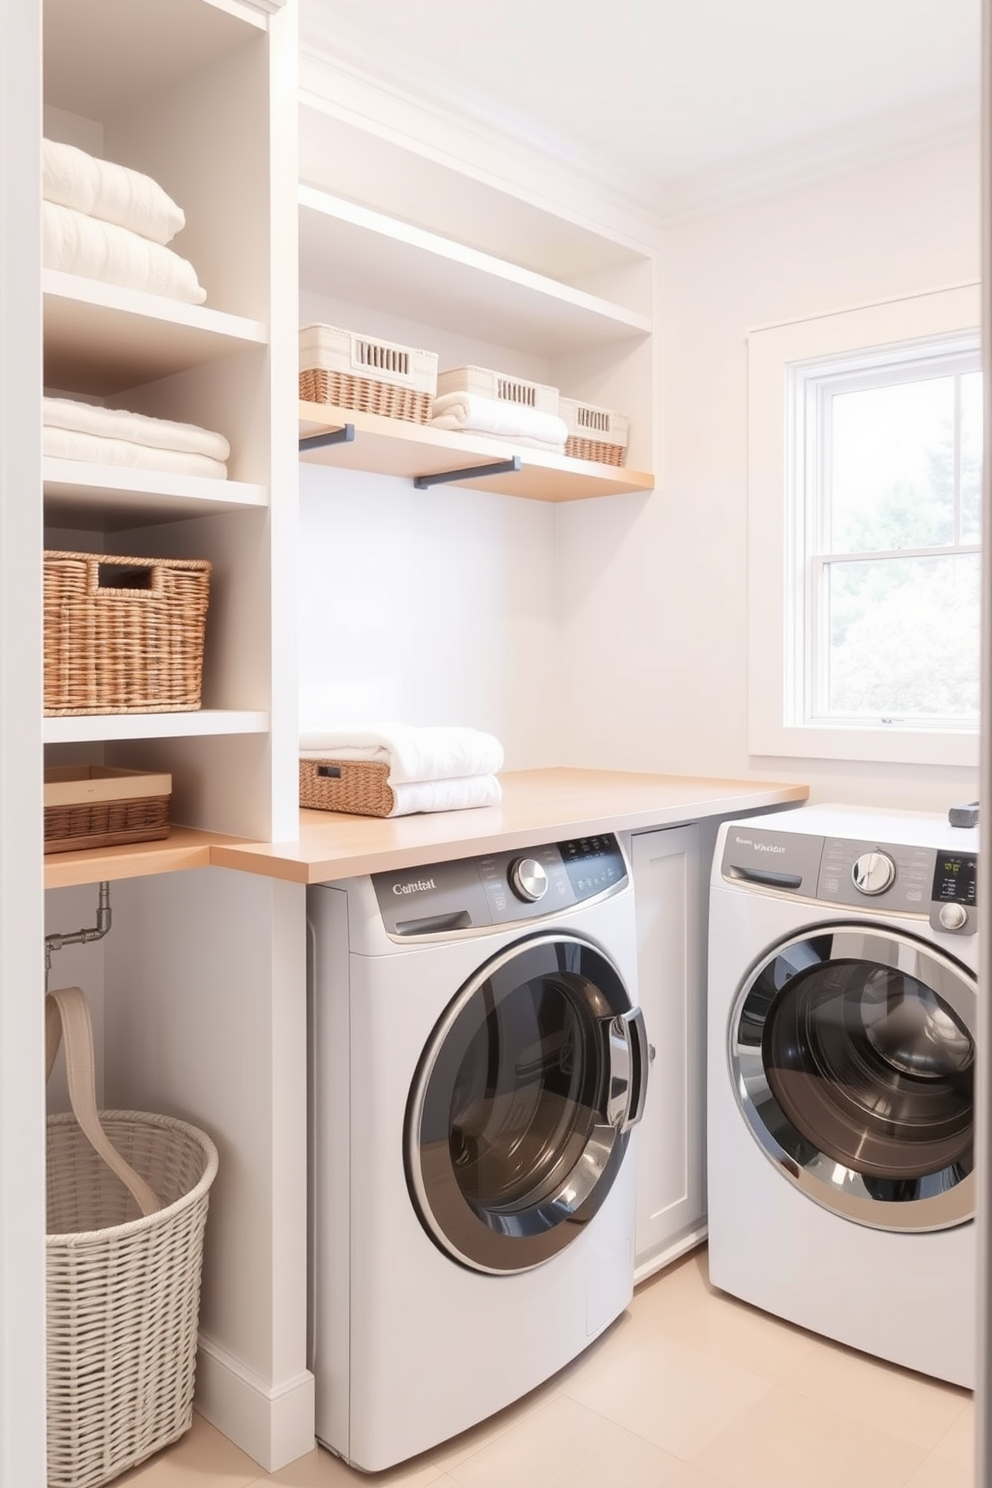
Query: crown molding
(869,144)
(342,74)
(491,145)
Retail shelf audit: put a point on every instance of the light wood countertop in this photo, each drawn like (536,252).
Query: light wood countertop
(183,848)
(551,804)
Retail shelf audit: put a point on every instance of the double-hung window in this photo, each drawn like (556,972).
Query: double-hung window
(864,533)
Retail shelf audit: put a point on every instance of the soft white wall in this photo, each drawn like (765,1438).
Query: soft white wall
(429,607)
(68,910)
(654,589)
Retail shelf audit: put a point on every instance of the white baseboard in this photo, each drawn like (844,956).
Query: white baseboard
(678,1247)
(272,1423)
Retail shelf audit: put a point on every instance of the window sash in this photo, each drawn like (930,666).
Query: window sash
(812,390)
(840,342)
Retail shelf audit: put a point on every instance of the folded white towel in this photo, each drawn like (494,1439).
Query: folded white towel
(414,754)
(446,795)
(472,413)
(78,244)
(70,444)
(137,428)
(113,193)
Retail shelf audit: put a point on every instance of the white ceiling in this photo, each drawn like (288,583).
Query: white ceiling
(677,101)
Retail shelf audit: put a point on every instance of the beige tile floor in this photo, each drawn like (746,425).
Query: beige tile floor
(688,1389)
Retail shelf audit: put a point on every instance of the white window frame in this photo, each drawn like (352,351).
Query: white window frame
(776,511)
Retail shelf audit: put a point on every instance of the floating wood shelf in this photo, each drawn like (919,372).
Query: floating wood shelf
(387,446)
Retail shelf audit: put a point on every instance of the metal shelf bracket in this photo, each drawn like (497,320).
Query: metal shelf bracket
(335,436)
(471,472)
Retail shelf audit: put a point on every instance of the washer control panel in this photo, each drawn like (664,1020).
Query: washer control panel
(498,888)
(891,876)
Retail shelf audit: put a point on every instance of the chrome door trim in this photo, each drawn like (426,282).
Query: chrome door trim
(606,1145)
(627,1044)
(941,1200)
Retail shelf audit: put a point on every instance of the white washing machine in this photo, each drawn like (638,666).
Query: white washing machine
(479,1063)
(842,1005)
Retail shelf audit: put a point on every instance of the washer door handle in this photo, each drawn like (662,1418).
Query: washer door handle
(627,1077)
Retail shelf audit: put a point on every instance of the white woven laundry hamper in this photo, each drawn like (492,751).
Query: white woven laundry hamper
(123,1284)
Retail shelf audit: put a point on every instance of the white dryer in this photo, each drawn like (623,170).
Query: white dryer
(479,1062)
(841,1078)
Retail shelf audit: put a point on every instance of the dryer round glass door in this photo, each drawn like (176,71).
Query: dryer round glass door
(853,1058)
(518,1119)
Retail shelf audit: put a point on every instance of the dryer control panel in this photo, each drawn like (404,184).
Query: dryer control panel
(499,888)
(898,877)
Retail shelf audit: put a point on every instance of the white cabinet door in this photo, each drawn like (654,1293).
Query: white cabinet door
(671,923)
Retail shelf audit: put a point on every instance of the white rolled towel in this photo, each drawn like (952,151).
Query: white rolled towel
(414,754)
(83,245)
(111,192)
(473,414)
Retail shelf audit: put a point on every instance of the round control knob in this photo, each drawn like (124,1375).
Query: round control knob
(528,880)
(873,873)
(952,916)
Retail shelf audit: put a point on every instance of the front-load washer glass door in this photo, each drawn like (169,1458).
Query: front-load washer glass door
(518,1119)
(853,1056)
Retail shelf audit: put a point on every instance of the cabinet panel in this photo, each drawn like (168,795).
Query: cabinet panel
(22,1105)
(671,1188)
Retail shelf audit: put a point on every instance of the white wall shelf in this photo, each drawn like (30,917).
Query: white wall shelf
(102,339)
(387,172)
(108,498)
(365,257)
(101,727)
(392,447)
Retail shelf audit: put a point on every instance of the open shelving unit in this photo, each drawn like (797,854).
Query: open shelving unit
(397,245)
(182,90)
(201,96)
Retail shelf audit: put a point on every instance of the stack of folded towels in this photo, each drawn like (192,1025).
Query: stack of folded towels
(113,436)
(470,413)
(107,222)
(430,769)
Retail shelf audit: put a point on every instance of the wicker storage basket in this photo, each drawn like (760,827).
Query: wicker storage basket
(347,370)
(500,386)
(123,1288)
(98,806)
(124,635)
(595,433)
(356,786)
